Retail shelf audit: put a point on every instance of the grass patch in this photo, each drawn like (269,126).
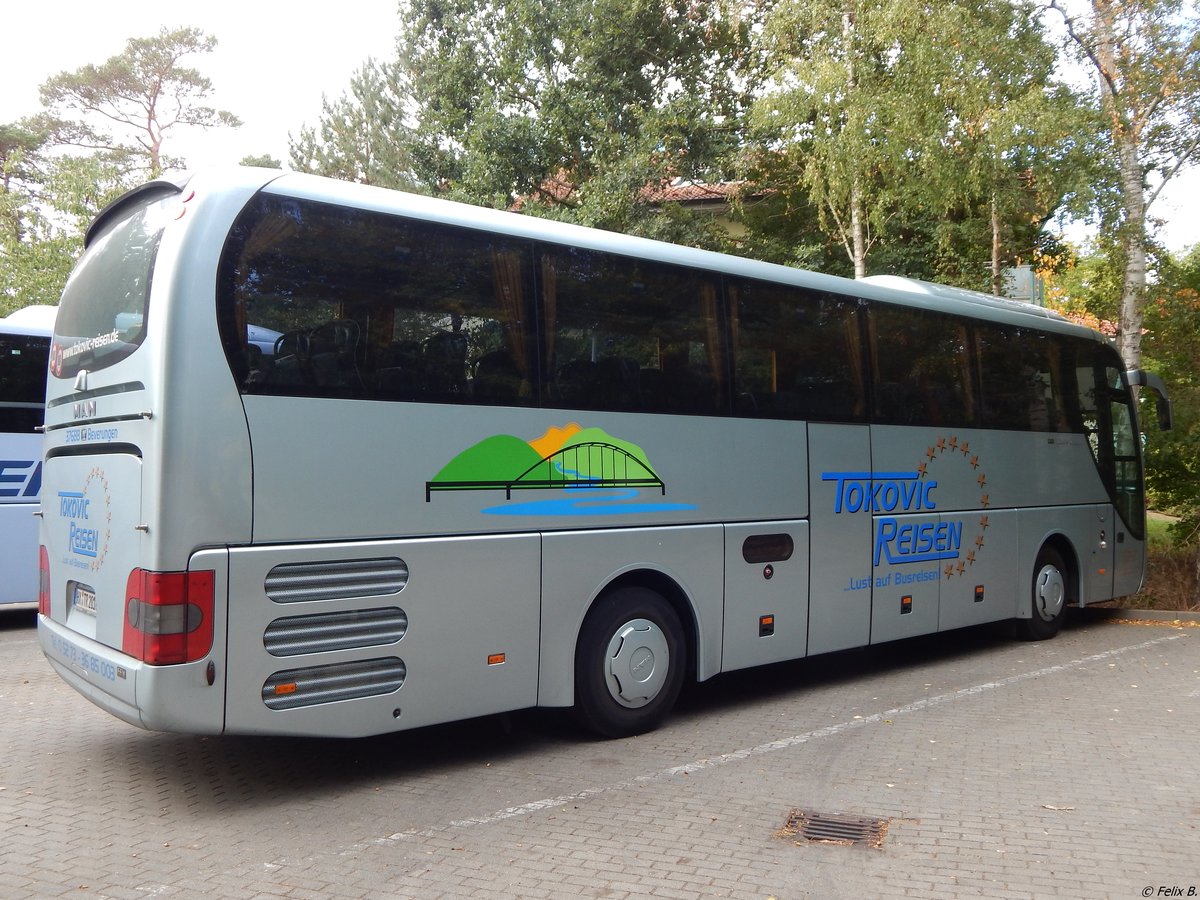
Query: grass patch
(1158,536)
(1172,577)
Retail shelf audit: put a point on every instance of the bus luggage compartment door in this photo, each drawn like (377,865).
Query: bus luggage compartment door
(840,597)
(94,536)
(766,593)
(359,638)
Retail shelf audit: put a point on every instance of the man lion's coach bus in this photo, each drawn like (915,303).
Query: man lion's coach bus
(24,349)
(494,462)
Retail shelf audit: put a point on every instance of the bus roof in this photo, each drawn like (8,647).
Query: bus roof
(30,320)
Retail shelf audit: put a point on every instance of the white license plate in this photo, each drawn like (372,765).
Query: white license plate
(84,600)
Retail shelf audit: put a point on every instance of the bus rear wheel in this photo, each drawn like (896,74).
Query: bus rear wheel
(1049,594)
(629,663)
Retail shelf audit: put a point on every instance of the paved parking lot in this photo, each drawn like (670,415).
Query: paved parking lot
(992,768)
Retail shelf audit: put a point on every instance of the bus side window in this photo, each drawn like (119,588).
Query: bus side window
(1026,380)
(797,353)
(923,368)
(376,306)
(627,334)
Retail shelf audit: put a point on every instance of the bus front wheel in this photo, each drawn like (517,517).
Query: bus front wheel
(1049,595)
(629,663)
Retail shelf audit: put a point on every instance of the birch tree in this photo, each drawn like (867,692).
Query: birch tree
(1145,58)
(894,112)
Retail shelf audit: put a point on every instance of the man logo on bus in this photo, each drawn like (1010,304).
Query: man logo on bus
(907,543)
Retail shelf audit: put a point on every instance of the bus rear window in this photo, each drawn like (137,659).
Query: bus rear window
(102,316)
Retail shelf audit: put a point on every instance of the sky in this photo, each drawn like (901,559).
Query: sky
(272,66)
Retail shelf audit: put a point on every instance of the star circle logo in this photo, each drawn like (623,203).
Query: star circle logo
(947,452)
(97,482)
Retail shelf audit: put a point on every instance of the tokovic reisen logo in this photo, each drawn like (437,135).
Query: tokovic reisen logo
(88,515)
(888,494)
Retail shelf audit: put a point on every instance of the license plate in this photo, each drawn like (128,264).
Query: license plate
(84,600)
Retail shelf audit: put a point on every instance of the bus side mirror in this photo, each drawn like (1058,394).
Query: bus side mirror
(1162,403)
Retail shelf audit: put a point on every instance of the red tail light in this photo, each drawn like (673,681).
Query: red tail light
(43,581)
(168,616)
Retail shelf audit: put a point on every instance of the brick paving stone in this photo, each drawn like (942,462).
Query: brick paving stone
(963,740)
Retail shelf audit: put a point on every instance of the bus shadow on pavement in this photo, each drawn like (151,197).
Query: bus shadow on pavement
(249,772)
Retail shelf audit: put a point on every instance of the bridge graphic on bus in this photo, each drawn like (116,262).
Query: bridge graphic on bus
(568,458)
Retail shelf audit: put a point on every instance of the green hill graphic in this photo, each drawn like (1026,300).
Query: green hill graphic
(501,457)
(589,455)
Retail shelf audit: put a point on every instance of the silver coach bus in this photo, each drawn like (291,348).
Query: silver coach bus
(491,462)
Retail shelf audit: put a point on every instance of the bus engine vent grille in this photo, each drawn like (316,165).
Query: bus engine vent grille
(341,579)
(321,633)
(297,688)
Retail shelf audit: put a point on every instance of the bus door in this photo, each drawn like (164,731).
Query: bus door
(840,537)
(1126,487)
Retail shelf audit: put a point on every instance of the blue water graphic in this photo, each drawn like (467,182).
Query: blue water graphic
(585,501)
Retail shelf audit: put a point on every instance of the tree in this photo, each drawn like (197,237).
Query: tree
(362,136)
(143,93)
(29,263)
(46,203)
(569,108)
(1172,345)
(103,130)
(1015,143)
(907,119)
(1145,56)
(836,114)
(263,161)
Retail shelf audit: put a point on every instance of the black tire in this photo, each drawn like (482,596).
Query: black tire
(629,663)
(1050,591)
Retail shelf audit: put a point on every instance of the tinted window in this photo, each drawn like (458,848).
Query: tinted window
(627,334)
(797,353)
(371,305)
(1028,380)
(23,360)
(922,366)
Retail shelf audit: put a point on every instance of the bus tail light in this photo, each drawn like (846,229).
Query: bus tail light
(43,581)
(168,616)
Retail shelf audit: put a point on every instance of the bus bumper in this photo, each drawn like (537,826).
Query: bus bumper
(131,690)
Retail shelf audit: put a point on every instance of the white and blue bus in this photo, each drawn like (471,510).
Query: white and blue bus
(24,350)
(492,462)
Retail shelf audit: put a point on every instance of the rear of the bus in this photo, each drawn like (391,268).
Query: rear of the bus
(132,559)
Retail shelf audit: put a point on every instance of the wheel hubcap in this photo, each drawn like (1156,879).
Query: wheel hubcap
(637,663)
(1049,593)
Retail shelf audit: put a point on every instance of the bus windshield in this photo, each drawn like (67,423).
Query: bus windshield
(102,316)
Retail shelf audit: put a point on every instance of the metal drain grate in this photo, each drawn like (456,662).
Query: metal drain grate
(824,828)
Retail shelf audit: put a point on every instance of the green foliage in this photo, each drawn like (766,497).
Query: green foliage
(263,161)
(907,122)
(1172,348)
(362,136)
(102,131)
(569,109)
(1145,56)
